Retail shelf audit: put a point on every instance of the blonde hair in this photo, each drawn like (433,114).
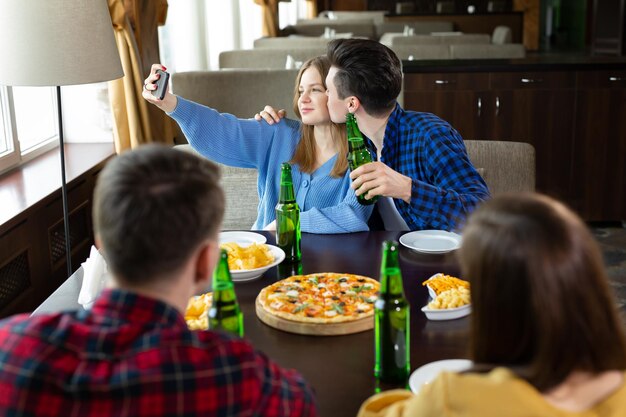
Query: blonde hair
(305,155)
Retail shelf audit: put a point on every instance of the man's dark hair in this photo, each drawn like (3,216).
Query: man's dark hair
(153,206)
(368,70)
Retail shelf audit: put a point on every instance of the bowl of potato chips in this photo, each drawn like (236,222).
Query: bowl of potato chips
(248,262)
(450,298)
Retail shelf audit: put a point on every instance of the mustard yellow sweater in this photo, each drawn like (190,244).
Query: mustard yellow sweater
(498,393)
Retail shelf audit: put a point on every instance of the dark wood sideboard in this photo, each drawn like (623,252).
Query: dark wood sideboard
(572,109)
(32,237)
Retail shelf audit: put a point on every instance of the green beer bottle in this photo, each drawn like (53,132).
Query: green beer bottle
(288,217)
(391,327)
(224,313)
(357,152)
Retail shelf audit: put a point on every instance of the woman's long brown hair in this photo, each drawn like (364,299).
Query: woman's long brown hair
(541,301)
(305,155)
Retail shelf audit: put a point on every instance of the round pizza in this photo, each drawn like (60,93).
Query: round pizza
(326,297)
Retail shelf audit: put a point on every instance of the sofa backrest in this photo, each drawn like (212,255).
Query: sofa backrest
(289,42)
(419,28)
(505,166)
(240,190)
(242,92)
(361,28)
(465,38)
(416,52)
(266,58)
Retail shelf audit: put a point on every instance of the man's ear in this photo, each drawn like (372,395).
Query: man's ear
(205,262)
(353,104)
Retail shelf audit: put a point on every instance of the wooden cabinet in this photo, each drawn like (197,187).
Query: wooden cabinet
(538,108)
(32,235)
(600,145)
(459,98)
(532,107)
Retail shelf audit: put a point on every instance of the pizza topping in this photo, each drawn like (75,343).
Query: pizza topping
(363,307)
(313,311)
(300,308)
(276,305)
(338,308)
(321,298)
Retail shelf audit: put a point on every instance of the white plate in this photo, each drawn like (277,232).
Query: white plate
(242,238)
(431,241)
(447,313)
(427,373)
(250,274)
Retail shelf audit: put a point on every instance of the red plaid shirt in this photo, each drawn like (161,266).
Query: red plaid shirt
(134,356)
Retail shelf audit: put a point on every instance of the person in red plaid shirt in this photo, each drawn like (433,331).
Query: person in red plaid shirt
(157,213)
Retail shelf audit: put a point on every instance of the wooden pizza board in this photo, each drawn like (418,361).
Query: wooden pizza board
(315,329)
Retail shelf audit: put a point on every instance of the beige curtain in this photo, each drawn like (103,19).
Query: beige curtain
(135,122)
(270,17)
(311,9)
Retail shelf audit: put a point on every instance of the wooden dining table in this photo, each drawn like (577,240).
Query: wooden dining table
(339,368)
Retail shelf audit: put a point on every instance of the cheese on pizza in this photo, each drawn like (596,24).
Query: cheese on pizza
(321,298)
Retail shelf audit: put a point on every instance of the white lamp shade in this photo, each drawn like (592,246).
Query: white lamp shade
(57,42)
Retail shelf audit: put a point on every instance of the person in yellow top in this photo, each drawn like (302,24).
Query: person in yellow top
(546,336)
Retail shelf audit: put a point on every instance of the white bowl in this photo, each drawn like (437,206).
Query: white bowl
(427,373)
(242,238)
(250,274)
(447,313)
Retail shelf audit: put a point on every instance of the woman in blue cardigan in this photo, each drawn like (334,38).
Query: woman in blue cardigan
(316,147)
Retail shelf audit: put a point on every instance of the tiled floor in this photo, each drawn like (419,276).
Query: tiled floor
(612,240)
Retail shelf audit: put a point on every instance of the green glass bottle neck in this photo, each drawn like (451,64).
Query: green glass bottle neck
(286,193)
(221,277)
(356,144)
(390,274)
(352,130)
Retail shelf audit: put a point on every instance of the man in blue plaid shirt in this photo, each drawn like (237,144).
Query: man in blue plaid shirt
(421,161)
(421,171)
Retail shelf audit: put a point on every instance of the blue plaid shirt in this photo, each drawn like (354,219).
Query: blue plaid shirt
(446,186)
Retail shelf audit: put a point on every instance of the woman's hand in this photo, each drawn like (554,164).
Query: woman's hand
(168,104)
(270,115)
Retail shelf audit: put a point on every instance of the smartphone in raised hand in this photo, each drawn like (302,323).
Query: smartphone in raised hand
(161,84)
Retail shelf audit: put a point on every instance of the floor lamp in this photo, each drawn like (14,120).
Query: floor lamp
(56,43)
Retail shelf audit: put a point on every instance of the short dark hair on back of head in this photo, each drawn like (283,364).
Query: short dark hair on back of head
(368,70)
(152,207)
(541,301)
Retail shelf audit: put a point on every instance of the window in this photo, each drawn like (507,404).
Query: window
(35,116)
(28,125)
